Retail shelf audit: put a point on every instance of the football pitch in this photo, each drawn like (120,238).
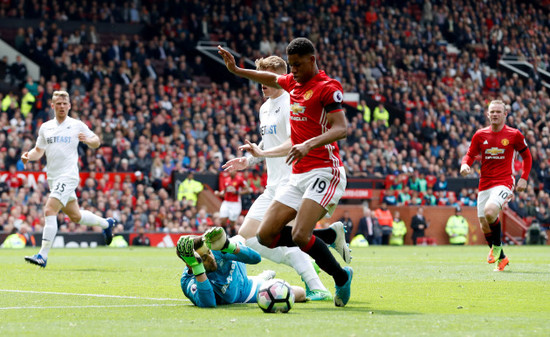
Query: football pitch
(396,291)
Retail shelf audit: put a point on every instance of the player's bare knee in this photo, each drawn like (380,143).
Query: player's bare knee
(49,211)
(75,218)
(491,213)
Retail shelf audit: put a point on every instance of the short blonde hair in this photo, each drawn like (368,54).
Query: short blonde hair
(273,63)
(499,102)
(60,93)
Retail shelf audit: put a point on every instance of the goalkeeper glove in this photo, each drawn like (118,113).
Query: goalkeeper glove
(216,239)
(186,252)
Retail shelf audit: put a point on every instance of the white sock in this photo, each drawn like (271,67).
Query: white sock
(292,257)
(88,218)
(48,235)
(301,262)
(241,239)
(276,254)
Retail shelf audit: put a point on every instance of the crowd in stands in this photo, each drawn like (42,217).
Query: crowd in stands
(142,95)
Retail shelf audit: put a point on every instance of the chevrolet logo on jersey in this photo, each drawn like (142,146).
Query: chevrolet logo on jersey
(494,151)
(296,108)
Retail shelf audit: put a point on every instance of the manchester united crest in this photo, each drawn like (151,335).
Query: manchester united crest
(505,142)
(308,94)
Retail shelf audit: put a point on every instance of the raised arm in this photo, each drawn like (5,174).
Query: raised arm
(264,77)
(216,239)
(242,163)
(194,276)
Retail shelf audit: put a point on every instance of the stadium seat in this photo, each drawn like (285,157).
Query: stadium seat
(425,241)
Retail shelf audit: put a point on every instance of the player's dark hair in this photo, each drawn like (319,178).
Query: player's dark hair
(300,46)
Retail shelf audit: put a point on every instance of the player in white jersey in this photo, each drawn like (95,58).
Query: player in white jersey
(58,138)
(275,130)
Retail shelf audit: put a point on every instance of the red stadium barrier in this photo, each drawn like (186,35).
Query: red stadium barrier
(32,179)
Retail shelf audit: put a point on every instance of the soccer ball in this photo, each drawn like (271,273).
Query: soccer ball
(275,296)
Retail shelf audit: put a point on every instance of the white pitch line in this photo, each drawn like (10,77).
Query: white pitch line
(93,306)
(93,295)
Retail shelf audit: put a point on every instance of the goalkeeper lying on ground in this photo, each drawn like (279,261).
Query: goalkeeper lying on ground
(216,271)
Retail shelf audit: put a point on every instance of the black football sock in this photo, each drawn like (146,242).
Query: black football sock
(318,250)
(489,238)
(328,235)
(283,239)
(495,229)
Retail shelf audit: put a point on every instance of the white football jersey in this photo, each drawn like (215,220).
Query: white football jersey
(275,130)
(60,142)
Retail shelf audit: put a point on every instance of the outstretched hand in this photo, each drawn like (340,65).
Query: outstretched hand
(215,238)
(252,148)
(228,59)
(186,251)
(236,164)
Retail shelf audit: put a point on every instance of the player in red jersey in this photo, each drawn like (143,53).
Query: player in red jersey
(318,180)
(231,188)
(497,145)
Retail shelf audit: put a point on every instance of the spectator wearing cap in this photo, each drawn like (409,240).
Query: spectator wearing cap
(457,228)
(141,179)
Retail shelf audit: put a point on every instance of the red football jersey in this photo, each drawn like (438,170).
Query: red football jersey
(232,186)
(308,117)
(497,150)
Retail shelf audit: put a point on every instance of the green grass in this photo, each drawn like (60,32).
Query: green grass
(413,291)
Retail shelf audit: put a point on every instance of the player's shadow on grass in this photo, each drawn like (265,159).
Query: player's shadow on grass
(357,307)
(81,270)
(525,272)
(238,306)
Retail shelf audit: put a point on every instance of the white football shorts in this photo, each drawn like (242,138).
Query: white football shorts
(324,185)
(63,189)
(231,210)
(498,195)
(261,204)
